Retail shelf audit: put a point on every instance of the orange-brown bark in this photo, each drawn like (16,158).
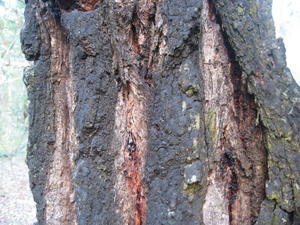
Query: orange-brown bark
(134,98)
(88,5)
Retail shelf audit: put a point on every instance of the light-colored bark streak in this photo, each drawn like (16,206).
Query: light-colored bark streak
(131,129)
(236,182)
(217,88)
(58,192)
(132,132)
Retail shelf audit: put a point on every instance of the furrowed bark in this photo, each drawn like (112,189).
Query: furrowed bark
(59,195)
(160,112)
(133,50)
(132,109)
(268,81)
(58,190)
(238,173)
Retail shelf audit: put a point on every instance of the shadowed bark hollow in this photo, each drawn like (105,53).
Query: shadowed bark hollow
(160,112)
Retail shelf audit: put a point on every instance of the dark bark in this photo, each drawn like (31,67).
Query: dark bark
(160,112)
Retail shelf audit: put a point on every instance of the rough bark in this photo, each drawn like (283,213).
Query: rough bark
(160,112)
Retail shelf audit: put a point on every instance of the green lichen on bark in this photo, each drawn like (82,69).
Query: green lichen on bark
(210,123)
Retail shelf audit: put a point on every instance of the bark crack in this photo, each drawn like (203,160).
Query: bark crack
(236,140)
(132,132)
(134,157)
(133,69)
(59,193)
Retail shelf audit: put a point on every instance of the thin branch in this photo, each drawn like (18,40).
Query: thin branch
(8,49)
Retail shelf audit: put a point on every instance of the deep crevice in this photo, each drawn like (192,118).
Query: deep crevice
(58,191)
(241,167)
(133,177)
(135,31)
(134,156)
(134,69)
(130,185)
(245,116)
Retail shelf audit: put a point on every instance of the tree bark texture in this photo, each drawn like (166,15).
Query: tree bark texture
(160,112)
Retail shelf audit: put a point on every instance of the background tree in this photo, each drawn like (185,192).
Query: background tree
(16,203)
(13,100)
(160,112)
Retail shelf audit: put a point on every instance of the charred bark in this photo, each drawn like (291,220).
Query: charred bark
(160,112)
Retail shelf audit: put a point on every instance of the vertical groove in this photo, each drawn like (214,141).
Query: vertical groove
(237,175)
(59,194)
(133,67)
(134,155)
(131,130)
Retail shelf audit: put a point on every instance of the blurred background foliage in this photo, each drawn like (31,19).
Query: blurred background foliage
(13,99)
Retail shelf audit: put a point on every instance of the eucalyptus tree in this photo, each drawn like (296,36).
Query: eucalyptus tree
(160,112)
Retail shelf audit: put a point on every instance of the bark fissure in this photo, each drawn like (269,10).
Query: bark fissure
(59,193)
(133,69)
(133,135)
(134,154)
(238,172)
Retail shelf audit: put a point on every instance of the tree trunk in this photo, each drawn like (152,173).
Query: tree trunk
(160,112)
